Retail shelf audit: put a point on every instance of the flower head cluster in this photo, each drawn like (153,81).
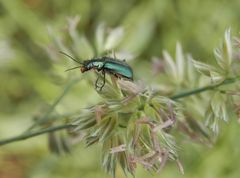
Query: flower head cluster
(133,125)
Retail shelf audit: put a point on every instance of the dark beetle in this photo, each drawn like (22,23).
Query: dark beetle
(112,66)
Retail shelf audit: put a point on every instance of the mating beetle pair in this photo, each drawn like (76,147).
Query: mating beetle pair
(112,66)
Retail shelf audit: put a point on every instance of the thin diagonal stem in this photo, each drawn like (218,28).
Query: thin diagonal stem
(34,134)
(45,117)
(206,88)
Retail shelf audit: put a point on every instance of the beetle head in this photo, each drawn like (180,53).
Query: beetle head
(83,69)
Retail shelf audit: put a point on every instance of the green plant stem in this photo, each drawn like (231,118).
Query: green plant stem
(45,117)
(55,128)
(33,134)
(206,88)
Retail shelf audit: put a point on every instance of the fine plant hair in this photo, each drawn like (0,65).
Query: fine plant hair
(136,123)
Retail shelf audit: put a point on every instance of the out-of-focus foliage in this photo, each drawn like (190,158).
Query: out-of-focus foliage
(32,73)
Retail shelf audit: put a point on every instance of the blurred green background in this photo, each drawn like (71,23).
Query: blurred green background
(32,77)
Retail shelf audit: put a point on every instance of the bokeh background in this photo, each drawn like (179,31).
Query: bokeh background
(32,76)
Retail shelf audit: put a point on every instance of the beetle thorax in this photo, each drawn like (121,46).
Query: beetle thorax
(97,65)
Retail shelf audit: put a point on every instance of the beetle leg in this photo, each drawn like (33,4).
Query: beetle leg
(99,87)
(103,79)
(96,83)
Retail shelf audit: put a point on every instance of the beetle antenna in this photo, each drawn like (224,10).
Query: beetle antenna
(70,57)
(73,68)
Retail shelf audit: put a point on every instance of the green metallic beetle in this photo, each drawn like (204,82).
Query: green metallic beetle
(112,66)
